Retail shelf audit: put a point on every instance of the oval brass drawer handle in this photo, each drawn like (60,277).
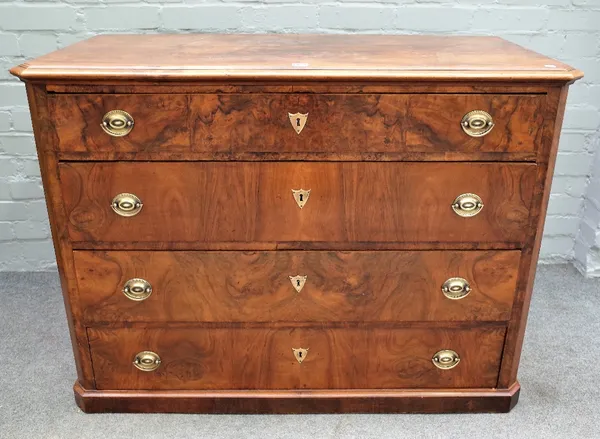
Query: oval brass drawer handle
(467,205)
(147,361)
(445,359)
(477,123)
(456,288)
(137,289)
(117,123)
(126,204)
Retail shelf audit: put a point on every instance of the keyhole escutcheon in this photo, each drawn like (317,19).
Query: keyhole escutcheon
(298,120)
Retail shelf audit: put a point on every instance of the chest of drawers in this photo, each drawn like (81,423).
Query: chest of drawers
(296,223)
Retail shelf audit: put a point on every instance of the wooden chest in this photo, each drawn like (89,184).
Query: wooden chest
(296,223)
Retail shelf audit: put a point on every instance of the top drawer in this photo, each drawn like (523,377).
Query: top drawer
(264,126)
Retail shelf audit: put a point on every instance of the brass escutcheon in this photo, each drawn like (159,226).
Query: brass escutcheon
(117,123)
(477,123)
(467,205)
(445,359)
(456,288)
(300,354)
(298,282)
(126,204)
(146,361)
(137,289)
(298,121)
(300,196)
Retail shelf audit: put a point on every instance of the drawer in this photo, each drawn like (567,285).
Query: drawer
(230,124)
(254,201)
(264,358)
(295,286)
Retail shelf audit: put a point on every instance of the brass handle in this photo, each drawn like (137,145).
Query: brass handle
(126,204)
(147,361)
(467,205)
(477,123)
(137,289)
(117,123)
(456,288)
(445,359)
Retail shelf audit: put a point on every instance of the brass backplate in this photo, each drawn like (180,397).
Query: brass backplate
(300,354)
(147,361)
(298,121)
(137,289)
(117,123)
(298,282)
(126,204)
(301,196)
(445,359)
(467,205)
(477,123)
(456,288)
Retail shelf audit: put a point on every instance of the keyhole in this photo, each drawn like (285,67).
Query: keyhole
(298,282)
(299,354)
(301,196)
(297,121)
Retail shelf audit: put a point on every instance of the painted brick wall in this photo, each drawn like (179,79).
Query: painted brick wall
(564,29)
(587,243)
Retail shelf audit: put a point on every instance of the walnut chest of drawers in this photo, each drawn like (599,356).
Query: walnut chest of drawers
(296,223)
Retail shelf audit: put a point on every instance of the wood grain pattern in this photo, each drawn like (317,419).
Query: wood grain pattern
(297,245)
(555,106)
(265,87)
(350,125)
(214,159)
(255,286)
(298,401)
(42,130)
(227,58)
(349,202)
(261,358)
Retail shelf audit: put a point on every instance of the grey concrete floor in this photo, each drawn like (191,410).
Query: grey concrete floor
(560,378)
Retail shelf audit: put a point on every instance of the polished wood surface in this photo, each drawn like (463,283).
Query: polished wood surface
(298,401)
(257,358)
(349,202)
(557,98)
(255,286)
(294,57)
(42,130)
(225,125)
(214,159)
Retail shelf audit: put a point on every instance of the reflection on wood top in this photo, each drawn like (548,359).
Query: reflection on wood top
(192,57)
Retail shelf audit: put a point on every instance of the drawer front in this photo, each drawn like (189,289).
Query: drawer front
(255,202)
(295,286)
(260,123)
(260,358)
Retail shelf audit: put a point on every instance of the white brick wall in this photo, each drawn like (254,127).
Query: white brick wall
(587,243)
(565,29)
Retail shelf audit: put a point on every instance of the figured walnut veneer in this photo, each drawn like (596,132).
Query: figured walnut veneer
(364,286)
(253,202)
(351,124)
(218,239)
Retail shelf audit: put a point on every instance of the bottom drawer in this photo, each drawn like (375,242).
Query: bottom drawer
(295,358)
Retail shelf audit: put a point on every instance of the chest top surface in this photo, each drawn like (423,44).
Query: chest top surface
(294,57)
